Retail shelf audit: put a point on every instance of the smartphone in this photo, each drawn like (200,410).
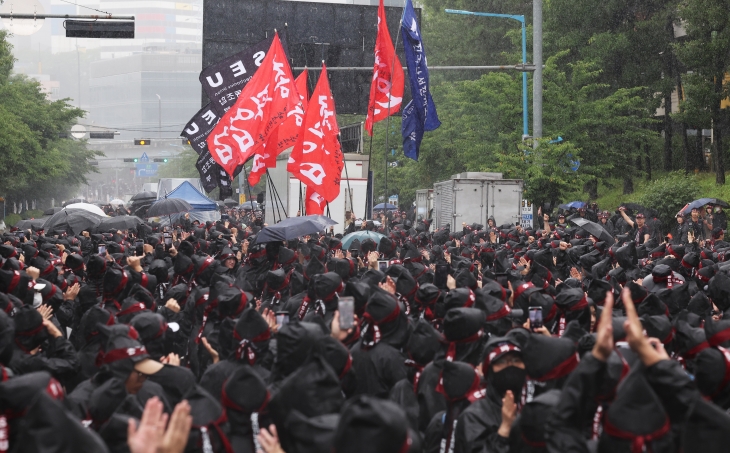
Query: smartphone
(168,239)
(102,250)
(382,265)
(441,275)
(535,318)
(282,317)
(354,253)
(139,243)
(346,307)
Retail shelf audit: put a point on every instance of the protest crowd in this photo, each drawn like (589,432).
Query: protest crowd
(496,338)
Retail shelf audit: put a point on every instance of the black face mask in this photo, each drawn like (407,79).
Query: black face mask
(510,378)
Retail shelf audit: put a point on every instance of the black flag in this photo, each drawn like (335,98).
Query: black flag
(199,127)
(209,171)
(224,80)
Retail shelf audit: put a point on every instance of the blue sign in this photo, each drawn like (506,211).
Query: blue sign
(146,170)
(144,158)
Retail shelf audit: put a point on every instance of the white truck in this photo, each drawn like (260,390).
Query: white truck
(474,197)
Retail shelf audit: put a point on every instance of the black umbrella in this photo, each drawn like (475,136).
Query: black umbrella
(31,224)
(294,227)
(51,211)
(144,196)
(594,229)
(230,202)
(73,221)
(122,222)
(249,205)
(168,206)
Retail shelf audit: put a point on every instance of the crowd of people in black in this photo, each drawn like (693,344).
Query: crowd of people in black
(491,339)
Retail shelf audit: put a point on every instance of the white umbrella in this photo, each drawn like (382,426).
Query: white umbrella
(116,202)
(87,207)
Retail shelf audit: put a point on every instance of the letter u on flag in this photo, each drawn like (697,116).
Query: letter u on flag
(386,89)
(257,113)
(420,113)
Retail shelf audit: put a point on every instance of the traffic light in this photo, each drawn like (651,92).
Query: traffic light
(161,159)
(142,141)
(131,159)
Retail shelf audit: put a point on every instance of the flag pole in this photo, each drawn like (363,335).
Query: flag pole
(369,195)
(387,126)
(248,186)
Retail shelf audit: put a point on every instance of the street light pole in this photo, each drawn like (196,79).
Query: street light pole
(537,76)
(159,116)
(521,19)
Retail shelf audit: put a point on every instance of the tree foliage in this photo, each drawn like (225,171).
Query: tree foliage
(36,162)
(608,67)
(669,194)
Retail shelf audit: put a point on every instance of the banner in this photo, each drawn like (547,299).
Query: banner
(257,113)
(199,127)
(224,80)
(420,113)
(316,159)
(209,171)
(386,88)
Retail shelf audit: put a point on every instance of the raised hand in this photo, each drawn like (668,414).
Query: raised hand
(604,331)
(635,332)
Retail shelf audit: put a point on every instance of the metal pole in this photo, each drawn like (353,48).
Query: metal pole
(525,132)
(515,67)
(64,16)
(159,116)
(78,73)
(537,77)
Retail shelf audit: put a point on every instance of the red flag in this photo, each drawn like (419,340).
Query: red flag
(316,159)
(258,111)
(386,89)
(285,135)
(314,203)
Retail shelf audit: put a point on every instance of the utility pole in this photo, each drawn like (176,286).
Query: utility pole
(159,116)
(537,76)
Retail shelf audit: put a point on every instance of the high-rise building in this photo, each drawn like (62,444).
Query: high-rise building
(160,26)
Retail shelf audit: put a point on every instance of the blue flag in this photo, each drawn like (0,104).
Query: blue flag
(420,113)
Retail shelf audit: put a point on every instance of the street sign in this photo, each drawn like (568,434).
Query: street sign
(526,220)
(144,158)
(146,170)
(78,131)
(241,199)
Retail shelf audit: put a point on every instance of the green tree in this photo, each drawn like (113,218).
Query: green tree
(630,42)
(37,162)
(706,52)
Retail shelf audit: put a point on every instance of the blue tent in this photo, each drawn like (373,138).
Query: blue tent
(197,200)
